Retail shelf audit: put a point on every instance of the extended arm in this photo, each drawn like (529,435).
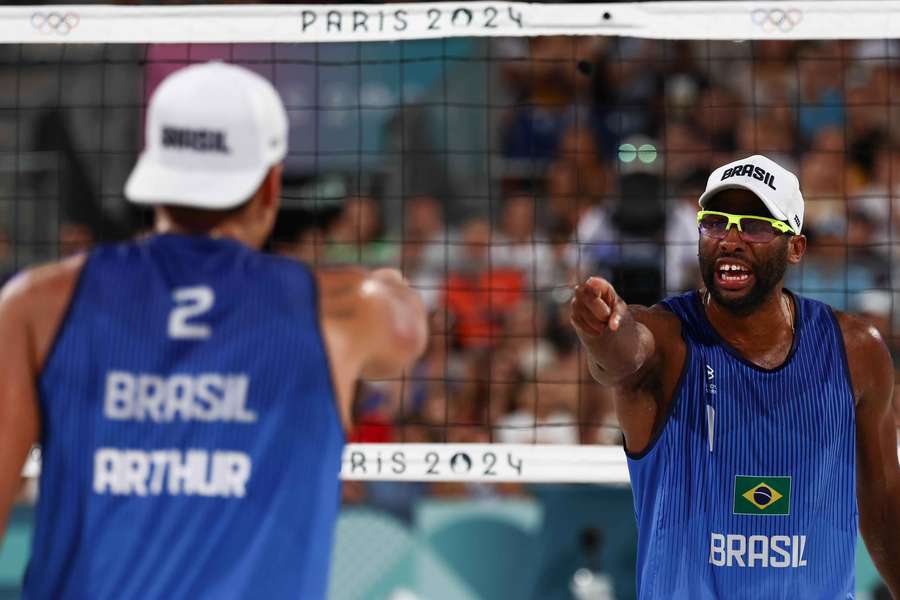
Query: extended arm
(617,344)
(375,327)
(19,422)
(877,473)
(636,350)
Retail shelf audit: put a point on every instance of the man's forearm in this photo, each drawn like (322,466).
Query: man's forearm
(882,536)
(616,355)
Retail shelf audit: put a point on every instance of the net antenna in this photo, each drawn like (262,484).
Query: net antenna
(322,23)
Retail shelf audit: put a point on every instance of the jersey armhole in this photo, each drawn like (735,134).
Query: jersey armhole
(676,393)
(67,313)
(839,333)
(317,317)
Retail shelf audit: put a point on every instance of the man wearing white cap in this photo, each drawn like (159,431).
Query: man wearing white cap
(757,422)
(190,394)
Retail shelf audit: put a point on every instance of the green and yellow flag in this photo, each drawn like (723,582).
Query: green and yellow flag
(762,495)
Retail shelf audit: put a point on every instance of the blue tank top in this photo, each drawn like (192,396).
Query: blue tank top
(191,440)
(749,490)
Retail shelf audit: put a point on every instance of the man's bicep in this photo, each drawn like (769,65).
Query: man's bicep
(878,473)
(660,334)
(19,419)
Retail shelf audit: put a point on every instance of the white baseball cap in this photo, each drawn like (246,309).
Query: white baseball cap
(777,187)
(213,132)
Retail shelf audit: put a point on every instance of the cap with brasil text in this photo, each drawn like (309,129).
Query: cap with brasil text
(213,132)
(777,187)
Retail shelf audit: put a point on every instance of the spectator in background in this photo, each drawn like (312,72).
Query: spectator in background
(427,250)
(765,134)
(358,236)
(685,150)
(301,234)
(769,79)
(715,114)
(572,189)
(681,270)
(823,179)
(827,274)
(7,261)
(74,238)
(547,88)
(523,246)
(821,100)
(878,200)
(479,292)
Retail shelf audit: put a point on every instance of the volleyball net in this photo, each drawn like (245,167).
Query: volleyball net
(497,153)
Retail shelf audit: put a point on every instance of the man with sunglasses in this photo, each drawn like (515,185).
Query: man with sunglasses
(757,422)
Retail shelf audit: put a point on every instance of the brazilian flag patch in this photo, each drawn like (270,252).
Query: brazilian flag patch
(762,495)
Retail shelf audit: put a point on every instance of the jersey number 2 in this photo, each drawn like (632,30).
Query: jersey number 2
(190,302)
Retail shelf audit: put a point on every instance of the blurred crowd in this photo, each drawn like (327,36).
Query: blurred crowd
(599,153)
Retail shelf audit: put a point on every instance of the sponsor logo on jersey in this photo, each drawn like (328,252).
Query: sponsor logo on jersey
(758,495)
(757,551)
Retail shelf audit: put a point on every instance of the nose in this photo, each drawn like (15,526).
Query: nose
(732,240)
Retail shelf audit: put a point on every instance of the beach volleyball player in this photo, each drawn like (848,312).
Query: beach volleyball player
(189,392)
(757,422)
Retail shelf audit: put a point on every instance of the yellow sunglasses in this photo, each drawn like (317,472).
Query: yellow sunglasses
(751,228)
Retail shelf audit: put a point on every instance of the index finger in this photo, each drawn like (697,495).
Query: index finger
(619,310)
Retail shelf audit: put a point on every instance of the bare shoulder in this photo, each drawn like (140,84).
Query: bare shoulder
(867,354)
(657,318)
(44,283)
(663,324)
(670,351)
(37,299)
(340,292)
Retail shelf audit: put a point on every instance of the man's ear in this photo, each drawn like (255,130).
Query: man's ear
(272,187)
(796,248)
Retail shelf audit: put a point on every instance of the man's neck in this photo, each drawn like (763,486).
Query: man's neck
(227,230)
(762,324)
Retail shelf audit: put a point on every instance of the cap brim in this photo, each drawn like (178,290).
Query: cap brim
(773,208)
(151,184)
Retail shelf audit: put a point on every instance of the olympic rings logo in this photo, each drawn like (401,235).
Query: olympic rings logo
(54,22)
(777,19)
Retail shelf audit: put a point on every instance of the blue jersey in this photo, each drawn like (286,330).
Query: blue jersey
(191,440)
(749,489)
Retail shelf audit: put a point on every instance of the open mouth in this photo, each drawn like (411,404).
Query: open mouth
(733,275)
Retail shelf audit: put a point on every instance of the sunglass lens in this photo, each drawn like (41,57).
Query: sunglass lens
(713,225)
(757,230)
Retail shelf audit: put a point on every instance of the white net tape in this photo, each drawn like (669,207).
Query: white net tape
(526,463)
(354,23)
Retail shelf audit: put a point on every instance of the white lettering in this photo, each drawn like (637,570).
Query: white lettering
(780,545)
(220,473)
(235,397)
(207,386)
(150,397)
(137,467)
(207,397)
(159,459)
(762,554)
(737,545)
(736,550)
(717,549)
(119,400)
(105,471)
(179,474)
(179,393)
